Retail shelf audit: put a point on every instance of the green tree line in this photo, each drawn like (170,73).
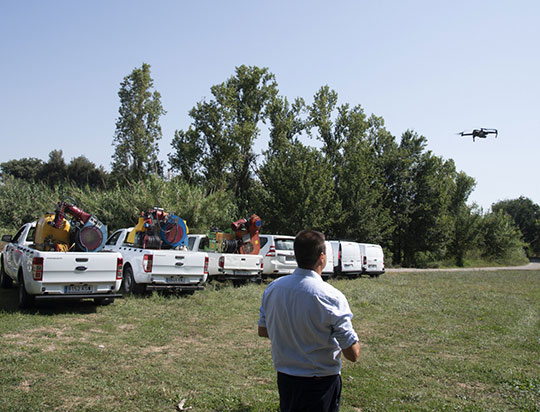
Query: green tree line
(328,166)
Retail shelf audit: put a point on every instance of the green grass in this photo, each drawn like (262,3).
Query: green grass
(445,341)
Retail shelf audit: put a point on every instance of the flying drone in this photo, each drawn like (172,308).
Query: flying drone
(482,133)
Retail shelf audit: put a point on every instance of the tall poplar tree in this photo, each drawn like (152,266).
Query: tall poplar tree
(137,128)
(218,146)
(296,181)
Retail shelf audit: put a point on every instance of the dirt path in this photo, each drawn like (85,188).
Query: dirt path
(533,265)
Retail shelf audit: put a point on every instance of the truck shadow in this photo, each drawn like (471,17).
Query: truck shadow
(9,303)
(8,300)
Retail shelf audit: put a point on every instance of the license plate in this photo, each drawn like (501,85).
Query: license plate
(78,289)
(290,258)
(174,280)
(241,273)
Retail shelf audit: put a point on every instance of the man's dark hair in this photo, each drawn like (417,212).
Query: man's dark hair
(308,246)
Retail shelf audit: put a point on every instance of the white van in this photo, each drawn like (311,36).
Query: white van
(278,254)
(328,270)
(347,258)
(372,259)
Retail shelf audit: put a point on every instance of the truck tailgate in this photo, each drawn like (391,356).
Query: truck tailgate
(178,263)
(60,267)
(242,262)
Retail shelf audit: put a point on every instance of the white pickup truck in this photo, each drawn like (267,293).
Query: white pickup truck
(44,275)
(240,268)
(158,269)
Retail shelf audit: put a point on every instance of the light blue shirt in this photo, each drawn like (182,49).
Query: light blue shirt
(308,322)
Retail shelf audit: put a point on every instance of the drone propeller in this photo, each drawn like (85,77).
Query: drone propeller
(492,131)
(487,131)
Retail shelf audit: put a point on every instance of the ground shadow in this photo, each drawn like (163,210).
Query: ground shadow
(9,303)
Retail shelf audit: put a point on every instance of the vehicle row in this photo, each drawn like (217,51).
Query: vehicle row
(124,267)
(343,258)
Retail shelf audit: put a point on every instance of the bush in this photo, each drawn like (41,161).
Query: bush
(501,239)
(22,202)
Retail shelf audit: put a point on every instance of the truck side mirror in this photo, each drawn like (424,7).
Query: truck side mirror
(7,238)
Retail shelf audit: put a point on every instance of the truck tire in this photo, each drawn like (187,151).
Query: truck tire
(5,281)
(129,285)
(25,300)
(128,281)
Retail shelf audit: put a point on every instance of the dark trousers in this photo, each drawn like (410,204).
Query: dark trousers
(300,394)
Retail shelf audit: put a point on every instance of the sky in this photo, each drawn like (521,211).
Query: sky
(437,68)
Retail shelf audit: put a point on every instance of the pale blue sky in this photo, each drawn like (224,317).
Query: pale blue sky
(435,67)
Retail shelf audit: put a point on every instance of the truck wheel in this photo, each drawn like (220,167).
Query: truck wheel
(103,301)
(127,283)
(25,300)
(5,281)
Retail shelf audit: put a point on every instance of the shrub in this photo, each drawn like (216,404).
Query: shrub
(22,202)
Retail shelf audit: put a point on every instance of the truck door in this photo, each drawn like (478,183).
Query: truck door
(13,254)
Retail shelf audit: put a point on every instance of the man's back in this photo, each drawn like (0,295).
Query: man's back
(308,320)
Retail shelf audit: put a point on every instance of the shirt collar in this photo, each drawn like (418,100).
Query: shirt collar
(306,272)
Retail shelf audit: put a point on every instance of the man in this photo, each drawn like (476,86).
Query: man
(309,325)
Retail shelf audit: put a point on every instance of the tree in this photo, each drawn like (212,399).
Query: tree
(296,188)
(501,237)
(385,152)
(28,168)
(55,170)
(360,186)
(419,184)
(299,187)
(286,123)
(224,130)
(320,118)
(400,163)
(430,225)
(82,171)
(187,157)
(526,215)
(466,220)
(137,128)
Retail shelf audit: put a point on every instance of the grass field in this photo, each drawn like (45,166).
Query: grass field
(447,341)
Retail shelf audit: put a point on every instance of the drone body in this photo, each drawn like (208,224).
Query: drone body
(482,133)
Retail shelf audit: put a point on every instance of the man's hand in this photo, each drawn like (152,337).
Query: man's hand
(351,353)
(263,332)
